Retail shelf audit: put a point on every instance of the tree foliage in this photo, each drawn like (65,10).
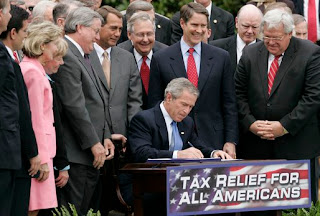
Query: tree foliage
(169,7)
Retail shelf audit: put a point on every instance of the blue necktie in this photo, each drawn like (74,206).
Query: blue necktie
(177,141)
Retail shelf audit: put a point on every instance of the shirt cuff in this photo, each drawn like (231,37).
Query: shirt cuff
(64,169)
(175,154)
(211,155)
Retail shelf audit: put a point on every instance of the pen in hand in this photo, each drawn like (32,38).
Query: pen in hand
(190,144)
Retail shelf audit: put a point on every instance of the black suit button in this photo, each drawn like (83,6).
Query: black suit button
(268,104)
(109,107)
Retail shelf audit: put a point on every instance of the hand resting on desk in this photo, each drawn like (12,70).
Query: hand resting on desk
(221,154)
(190,153)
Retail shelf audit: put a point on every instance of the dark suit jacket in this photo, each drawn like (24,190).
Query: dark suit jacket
(229,44)
(288,3)
(163,29)
(148,136)
(10,144)
(215,112)
(60,161)
(221,24)
(83,107)
(294,100)
(29,148)
(127,45)
(124,98)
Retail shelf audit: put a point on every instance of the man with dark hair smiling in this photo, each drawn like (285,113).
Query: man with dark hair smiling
(10,144)
(13,39)
(208,68)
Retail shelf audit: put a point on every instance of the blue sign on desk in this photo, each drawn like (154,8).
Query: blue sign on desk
(236,187)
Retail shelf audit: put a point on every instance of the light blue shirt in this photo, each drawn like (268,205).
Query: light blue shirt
(196,54)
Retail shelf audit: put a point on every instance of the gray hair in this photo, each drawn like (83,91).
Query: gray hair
(138,17)
(178,85)
(3,4)
(40,9)
(274,18)
(80,16)
(297,19)
(138,6)
(62,9)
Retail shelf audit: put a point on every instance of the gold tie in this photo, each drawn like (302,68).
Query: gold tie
(106,67)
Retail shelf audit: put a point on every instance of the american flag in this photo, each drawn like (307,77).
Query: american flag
(176,193)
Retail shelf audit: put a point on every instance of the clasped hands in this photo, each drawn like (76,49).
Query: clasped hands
(268,130)
(104,152)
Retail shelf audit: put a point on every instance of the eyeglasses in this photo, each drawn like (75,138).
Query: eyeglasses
(273,38)
(96,31)
(141,35)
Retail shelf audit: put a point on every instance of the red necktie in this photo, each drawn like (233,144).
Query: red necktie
(272,72)
(16,59)
(145,74)
(191,69)
(312,21)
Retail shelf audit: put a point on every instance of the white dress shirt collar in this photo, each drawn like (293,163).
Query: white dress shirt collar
(10,52)
(139,58)
(76,44)
(168,121)
(100,52)
(240,45)
(185,47)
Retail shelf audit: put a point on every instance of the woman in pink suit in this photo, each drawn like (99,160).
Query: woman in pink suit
(40,48)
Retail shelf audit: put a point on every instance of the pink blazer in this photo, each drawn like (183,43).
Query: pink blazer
(41,103)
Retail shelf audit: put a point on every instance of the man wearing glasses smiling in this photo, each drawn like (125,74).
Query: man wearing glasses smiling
(278,95)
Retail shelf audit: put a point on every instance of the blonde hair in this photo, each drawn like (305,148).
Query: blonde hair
(38,35)
(62,47)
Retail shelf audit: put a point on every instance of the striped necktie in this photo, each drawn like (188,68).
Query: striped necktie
(273,72)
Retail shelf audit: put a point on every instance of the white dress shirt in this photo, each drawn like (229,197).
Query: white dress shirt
(139,58)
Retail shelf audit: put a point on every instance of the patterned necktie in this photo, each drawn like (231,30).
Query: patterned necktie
(177,141)
(145,74)
(16,59)
(273,72)
(191,69)
(106,67)
(312,21)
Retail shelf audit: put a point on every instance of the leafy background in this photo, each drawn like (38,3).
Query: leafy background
(169,7)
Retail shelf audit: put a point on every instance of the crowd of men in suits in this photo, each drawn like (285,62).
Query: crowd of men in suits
(137,83)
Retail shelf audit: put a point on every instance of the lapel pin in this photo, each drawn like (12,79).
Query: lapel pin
(215,21)
(159,26)
(182,133)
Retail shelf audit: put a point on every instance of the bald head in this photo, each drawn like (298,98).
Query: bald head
(248,23)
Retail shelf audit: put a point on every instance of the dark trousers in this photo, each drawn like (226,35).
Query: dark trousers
(7,184)
(20,204)
(80,187)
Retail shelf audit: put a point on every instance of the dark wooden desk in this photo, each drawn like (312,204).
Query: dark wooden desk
(146,178)
(151,178)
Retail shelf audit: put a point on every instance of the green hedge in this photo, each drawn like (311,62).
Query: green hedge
(169,7)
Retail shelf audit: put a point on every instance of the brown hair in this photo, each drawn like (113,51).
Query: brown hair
(105,10)
(187,11)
